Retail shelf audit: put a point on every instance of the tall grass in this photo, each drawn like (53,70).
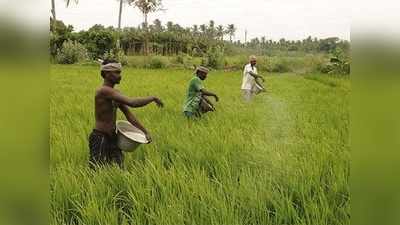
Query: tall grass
(281,159)
(304,64)
(299,64)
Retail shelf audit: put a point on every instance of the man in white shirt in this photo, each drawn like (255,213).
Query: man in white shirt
(249,78)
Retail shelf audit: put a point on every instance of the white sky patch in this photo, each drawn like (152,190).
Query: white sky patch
(275,19)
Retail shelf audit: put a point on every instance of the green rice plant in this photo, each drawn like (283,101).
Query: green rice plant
(283,158)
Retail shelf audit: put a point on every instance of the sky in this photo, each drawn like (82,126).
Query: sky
(274,19)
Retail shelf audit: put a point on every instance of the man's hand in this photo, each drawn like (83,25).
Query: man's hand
(262,78)
(148,137)
(158,102)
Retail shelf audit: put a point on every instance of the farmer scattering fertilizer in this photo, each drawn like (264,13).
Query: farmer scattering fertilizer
(196,99)
(103,139)
(250,84)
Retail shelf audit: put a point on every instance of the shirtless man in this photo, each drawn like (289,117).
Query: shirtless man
(103,139)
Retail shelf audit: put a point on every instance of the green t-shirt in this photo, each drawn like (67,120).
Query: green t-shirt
(193,96)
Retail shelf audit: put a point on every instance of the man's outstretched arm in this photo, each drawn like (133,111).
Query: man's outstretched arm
(143,101)
(208,93)
(131,102)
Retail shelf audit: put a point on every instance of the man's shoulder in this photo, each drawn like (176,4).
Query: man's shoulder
(105,90)
(195,79)
(247,67)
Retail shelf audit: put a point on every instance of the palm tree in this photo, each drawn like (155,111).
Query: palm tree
(231,29)
(263,41)
(69,1)
(220,32)
(53,8)
(146,7)
(203,29)
(157,25)
(211,29)
(120,14)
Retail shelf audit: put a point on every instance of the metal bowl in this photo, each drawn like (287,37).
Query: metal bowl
(126,141)
(257,89)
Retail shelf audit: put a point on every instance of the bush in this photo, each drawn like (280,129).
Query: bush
(278,65)
(98,40)
(118,55)
(59,33)
(312,64)
(339,63)
(189,62)
(280,68)
(180,59)
(214,58)
(71,52)
(157,62)
(336,68)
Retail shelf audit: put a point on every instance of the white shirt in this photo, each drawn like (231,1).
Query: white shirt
(248,80)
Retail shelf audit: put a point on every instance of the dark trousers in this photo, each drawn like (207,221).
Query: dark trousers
(104,150)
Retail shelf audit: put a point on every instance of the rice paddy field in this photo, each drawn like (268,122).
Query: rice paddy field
(283,158)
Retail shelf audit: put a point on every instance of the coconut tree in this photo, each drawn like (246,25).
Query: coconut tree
(231,29)
(220,32)
(121,3)
(195,30)
(53,8)
(146,7)
(211,29)
(203,29)
(69,2)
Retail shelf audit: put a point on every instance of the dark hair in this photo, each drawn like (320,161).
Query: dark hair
(105,62)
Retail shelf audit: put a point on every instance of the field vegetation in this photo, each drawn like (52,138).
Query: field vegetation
(281,159)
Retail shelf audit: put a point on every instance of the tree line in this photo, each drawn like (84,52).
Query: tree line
(173,39)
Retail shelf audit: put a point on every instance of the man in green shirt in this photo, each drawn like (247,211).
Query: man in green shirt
(196,92)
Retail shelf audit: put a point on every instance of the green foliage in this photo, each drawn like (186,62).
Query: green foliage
(197,41)
(336,67)
(118,55)
(98,40)
(203,45)
(185,61)
(71,52)
(279,65)
(180,59)
(137,61)
(157,63)
(59,33)
(288,48)
(338,64)
(329,44)
(214,58)
(276,160)
(147,6)
(196,52)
